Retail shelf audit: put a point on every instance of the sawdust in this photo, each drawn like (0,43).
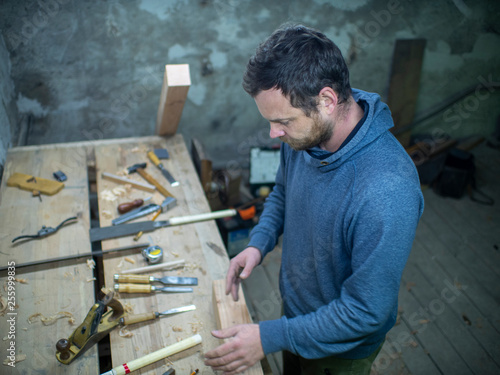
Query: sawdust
(21,281)
(19,358)
(130,260)
(177,329)
(120,191)
(52,319)
(107,195)
(124,332)
(3,305)
(107,214)
(91,263)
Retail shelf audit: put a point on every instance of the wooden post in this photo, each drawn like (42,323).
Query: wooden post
(176,82)
(404,82)
(229,313)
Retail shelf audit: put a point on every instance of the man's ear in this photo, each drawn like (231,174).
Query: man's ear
(328,100)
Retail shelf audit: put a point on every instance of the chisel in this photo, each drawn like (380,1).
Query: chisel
(141,288)
(104,233)
(145,279)
(131,319)
(152,156)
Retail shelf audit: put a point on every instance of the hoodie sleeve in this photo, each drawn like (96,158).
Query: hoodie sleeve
(266,233)
(379,232)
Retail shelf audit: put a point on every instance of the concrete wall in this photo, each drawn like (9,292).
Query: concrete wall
(93,69)
(8,110)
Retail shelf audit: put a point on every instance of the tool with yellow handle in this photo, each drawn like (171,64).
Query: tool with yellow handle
(144,288)
(131,319)
(145,279)
(152,156)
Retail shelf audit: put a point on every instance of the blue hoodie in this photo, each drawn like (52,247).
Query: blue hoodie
(349,222)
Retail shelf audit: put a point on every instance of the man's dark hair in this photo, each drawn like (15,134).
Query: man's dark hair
(299,61)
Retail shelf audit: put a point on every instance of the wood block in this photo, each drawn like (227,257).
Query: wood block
(32,183)
(229,313)
(404,83)
(176,82)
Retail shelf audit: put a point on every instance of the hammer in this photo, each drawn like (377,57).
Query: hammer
(139,168)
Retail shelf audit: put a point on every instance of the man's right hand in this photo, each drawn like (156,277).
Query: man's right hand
(241,267)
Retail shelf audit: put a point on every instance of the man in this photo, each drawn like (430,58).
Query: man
(347,200)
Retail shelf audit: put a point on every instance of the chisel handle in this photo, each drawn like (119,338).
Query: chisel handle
(126,207)
(152,156)
(135,279)
(153,182)
(131,319)
(133,288)
(201,217)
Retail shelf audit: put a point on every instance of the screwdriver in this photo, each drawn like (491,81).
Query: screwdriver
(141,288)
(145,279)
(126,207)
(131,319)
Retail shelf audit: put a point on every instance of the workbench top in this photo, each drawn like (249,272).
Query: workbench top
(47,302)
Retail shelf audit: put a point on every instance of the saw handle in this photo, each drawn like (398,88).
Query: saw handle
(126,207)
(135,279)
(152,156)
(139,318)
(133,288)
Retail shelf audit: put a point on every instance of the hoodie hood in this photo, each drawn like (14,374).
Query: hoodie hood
(377,122)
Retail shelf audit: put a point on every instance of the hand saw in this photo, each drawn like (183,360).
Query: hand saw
(104,233)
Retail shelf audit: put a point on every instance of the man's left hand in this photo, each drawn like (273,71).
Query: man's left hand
(240,352)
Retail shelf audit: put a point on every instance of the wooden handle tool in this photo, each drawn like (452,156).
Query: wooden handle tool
(138,363)
(145,288)
(126,207)
(131,319)
(153,182)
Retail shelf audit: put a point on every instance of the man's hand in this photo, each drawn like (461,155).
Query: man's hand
(241,352)
(241,267)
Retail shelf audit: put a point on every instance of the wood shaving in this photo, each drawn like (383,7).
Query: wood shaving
(128,308)
(124,332)
(177,329)
(21,281)
(19,358)
(130,260)
(174,254)
(91,279)
(3,305)
(107,195)
(119,191)
(107,214)
(424,321)
(91,263)
(5,338)
(52,319)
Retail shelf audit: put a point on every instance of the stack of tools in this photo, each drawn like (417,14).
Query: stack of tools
(141,284)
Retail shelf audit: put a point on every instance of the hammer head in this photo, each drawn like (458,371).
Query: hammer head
(168,203)
(134,167)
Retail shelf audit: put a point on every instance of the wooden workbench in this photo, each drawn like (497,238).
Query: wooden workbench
(69,286)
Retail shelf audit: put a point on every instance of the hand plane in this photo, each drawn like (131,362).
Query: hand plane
(97,324)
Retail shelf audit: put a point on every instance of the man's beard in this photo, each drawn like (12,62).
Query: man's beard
(320,132)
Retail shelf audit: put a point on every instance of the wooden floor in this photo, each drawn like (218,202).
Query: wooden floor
(449,301)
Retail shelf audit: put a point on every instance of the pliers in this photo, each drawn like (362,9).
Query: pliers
(45,231)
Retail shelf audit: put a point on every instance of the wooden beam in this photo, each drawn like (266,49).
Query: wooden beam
(176,82)
(229,313)
(404,83)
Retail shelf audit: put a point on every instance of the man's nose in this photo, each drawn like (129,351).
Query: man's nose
(276,131)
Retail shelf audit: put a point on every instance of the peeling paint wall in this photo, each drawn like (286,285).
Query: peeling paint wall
(8,111)
(90,70)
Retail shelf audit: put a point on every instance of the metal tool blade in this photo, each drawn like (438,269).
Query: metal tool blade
(178,310)
(99,234)
(171,289)
(175,280)
(136,213)
(169,177)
